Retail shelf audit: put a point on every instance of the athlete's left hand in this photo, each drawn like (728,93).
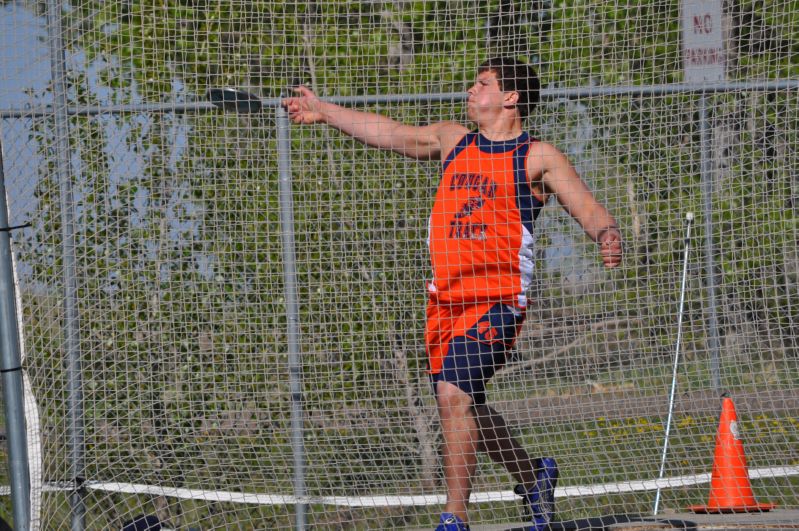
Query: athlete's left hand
(611,247)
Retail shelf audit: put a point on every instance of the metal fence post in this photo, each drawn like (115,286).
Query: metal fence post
(292,311)
(71,318)
(11,371)
(706,168)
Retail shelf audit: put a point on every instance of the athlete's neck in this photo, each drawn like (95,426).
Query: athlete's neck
(500,135)
(501,130)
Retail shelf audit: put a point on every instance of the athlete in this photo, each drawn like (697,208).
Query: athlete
(495,180)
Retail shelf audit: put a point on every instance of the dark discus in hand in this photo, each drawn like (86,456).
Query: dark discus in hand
(230,99)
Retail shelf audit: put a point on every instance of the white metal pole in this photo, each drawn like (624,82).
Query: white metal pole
(689,217)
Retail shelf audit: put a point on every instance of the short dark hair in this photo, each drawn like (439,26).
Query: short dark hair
(515,76)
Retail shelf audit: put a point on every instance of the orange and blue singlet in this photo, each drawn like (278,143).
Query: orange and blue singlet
(481,249)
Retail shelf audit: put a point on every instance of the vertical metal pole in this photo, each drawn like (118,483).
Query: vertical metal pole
(684,282)
(706,167)
(11,371)
(292,310)
(71,322)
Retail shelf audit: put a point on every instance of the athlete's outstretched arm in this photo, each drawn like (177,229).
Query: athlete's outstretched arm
(560,178)
(376,130)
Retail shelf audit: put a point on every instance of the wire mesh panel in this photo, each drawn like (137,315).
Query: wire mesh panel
(212,353)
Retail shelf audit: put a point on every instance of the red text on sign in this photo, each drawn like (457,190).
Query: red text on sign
(703,24)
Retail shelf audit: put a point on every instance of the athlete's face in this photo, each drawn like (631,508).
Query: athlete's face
(486,98)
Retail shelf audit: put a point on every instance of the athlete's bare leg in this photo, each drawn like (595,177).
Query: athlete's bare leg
(502,447)
(461,439)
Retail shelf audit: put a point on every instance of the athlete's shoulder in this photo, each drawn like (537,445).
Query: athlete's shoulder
(450,134)
(544,159)
(543,155)
(450,128)
(540,148)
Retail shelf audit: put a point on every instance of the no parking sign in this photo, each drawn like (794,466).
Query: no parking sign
(703,41)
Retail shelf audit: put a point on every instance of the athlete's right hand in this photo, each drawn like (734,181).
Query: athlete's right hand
(305,108)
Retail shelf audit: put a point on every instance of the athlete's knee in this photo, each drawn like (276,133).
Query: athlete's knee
(452,400)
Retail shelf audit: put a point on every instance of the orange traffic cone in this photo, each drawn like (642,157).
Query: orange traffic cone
(730,491)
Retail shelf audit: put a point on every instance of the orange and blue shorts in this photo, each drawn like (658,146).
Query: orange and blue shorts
(467,343)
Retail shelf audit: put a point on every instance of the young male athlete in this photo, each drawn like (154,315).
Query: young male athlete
(495,180)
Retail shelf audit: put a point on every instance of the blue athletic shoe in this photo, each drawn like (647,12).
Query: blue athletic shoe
(450,522)
(540,499)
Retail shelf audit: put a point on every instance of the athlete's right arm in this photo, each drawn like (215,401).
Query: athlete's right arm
(376,130)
